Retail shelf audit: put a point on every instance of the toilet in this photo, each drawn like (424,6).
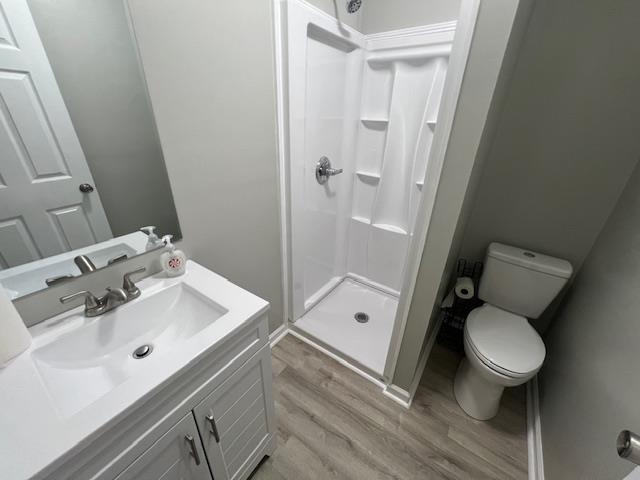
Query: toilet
(501,348)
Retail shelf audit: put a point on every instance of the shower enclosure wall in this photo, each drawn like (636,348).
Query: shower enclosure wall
(370,105)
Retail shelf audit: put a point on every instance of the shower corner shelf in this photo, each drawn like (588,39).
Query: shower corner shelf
(381,226)
(366,221)
(389,228)
(374,122)
(431,124)
(369,175)
(420,184)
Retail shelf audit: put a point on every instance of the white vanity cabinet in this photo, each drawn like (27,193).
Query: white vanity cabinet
(222,400)
(225,435)
(177,455)
(236,419)
(198,407)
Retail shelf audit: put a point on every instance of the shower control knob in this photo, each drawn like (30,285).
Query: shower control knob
(353,5)
(324,170)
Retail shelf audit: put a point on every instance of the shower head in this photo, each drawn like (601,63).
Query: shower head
(353,5)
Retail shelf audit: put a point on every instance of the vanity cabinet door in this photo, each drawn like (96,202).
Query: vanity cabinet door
(177,455)
(236,421)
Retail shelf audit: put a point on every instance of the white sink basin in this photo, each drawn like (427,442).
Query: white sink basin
(98,356)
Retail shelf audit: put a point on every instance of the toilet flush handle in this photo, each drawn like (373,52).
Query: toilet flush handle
(628,446)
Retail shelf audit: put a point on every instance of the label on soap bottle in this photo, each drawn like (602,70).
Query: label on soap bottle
(175,263)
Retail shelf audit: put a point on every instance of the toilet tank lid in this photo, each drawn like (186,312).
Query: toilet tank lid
(531,260)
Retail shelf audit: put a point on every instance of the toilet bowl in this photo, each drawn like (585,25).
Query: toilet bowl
(502,350)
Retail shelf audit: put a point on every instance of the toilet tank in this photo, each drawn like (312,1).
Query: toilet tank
(521,281)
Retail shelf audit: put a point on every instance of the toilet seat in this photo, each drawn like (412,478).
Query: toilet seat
(504,342)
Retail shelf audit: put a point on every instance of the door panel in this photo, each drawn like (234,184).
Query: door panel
(73,226)
(242,411)
(42,163)
(171,457)
(18,246)
(26,129)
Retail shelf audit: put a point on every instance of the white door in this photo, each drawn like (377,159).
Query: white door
(177,455)
(42,210)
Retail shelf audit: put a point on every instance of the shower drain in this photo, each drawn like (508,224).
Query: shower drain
(361,317)
(142,351)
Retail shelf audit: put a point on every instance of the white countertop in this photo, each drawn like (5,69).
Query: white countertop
(33,432)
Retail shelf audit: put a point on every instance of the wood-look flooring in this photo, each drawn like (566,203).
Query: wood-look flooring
(333,424)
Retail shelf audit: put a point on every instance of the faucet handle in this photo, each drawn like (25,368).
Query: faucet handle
(90,300)
(56,280)
(128,285)
(118,258)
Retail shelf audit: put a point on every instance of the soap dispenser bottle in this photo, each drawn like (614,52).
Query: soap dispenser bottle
(153,241)
(174,262)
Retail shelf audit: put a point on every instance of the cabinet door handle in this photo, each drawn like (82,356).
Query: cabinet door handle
(194,449)
(214,427)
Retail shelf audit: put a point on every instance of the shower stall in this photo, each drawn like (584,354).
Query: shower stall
(359,113)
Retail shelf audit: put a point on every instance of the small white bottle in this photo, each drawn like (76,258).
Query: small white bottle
(174,262)
(153,241)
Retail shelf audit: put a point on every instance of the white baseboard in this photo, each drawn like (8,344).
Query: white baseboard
(398,395)
(534,432)
(278,334)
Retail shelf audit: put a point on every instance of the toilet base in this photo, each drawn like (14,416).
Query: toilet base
(478,397)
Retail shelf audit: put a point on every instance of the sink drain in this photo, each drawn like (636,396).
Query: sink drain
(361,317)
(143,351)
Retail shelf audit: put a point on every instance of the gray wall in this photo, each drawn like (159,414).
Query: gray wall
(495,42)
(568,138)
(590,384)
(384,15)
(337,9)
(209,67)
(92,54)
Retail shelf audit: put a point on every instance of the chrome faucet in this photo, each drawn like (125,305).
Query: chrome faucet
(114,298)
(56,280)
(84,263)
(94,306)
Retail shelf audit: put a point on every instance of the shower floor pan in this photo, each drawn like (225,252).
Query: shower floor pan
(338,321)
